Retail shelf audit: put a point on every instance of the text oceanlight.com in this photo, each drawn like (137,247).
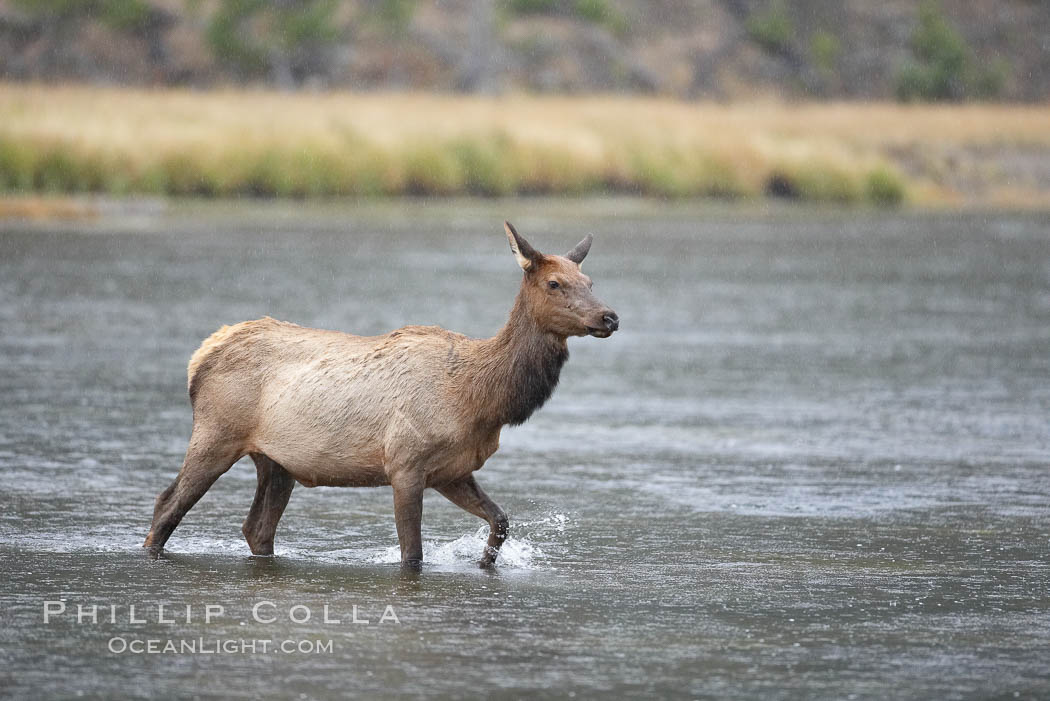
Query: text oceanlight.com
(120,645)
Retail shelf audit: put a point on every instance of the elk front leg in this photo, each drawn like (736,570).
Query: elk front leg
(467,495)
(408,515)
(271,496)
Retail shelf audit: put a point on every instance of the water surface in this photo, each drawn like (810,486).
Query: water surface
(812,464)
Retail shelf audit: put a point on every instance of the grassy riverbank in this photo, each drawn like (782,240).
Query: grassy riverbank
(230,143)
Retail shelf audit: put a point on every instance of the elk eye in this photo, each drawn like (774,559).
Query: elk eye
(553,284)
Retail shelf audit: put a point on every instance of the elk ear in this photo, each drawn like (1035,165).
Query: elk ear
(577,254)
(523,252)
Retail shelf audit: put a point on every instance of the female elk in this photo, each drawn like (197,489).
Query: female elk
(418,407)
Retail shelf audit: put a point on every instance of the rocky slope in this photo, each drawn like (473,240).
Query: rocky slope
(714,49)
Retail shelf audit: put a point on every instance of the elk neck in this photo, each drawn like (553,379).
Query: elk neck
(517,369)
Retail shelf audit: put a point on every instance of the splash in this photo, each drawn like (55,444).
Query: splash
(519,551)
(515,553)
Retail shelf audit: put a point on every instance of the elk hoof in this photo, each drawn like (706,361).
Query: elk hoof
(488,560)
(412,565)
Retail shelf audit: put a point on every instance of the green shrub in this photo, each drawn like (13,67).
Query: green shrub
(117,176)
(431,169)
(50,9)
(16,165)
(772,28)
(396,15)
(552,170)
(122,15)
(310,23)
(486,166)
(56,171)
(670,173)
(818,182)
(827,184)
(93,170)
(941,54)
(914,82)
(935,40)
(230,42)
(825,49)
(246,33)
(125,15)
(716,177)
(990,80)
(601,12)
(320,173)
(884,187)
(532,7)
(264,174)
(180,174)
(659,174)
(943,66)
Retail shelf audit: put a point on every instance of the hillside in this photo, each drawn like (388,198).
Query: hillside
(712,49)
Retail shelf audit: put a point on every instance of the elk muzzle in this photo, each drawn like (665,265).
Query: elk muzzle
(609,323)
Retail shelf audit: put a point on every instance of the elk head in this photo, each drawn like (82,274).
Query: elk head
(557,294)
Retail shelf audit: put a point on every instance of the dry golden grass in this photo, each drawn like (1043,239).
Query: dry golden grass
(22,207)
(75,139)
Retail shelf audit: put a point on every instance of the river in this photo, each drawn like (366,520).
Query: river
(813,463)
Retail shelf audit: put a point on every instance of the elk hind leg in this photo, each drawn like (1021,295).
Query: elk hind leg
(207,458)
(271,497)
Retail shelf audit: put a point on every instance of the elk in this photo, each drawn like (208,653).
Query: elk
(415,408)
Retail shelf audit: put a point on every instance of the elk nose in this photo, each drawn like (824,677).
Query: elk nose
(612,322)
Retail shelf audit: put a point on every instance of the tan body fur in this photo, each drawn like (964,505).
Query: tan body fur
(415,408)
(340,410)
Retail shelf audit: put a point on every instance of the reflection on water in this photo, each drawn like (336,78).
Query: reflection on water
(813,462)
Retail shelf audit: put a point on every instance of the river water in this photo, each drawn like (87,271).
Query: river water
(812,464)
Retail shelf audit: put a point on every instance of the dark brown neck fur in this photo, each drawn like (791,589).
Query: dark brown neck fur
(517,369)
